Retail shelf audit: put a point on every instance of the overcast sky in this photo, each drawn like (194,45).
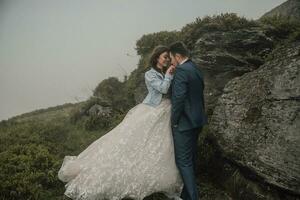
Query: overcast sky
(57,51)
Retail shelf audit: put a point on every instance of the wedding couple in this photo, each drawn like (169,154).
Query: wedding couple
(154,148)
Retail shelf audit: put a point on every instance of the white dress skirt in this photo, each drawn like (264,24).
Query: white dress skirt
(133,160)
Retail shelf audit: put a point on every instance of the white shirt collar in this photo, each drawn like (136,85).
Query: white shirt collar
(183,61)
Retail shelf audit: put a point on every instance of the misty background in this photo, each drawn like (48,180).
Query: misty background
(56,52)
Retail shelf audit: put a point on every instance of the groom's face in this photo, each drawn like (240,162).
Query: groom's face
(174,60)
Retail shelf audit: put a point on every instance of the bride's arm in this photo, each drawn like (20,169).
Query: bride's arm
(160,85)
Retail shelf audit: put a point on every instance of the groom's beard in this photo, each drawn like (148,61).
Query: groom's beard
(176,62)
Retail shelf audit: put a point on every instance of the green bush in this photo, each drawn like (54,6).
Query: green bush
(191,32)
(95,122)
(295,36)
(31,154)
(28,172)
(148,42)
(280,27)
(113,91)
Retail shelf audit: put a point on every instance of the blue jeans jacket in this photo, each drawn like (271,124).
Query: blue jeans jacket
(157,85)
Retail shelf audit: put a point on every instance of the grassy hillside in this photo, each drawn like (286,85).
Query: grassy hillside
(34,144)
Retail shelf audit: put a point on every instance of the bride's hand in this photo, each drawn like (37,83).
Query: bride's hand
(170,70)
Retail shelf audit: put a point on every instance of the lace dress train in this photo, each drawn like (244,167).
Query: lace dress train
(133,160)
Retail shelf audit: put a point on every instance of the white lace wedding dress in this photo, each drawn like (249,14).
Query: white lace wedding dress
(133,160)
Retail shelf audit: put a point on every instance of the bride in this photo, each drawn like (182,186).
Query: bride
(136,158)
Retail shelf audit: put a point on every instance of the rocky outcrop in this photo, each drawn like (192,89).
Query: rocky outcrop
(289,9)
(256,121)
(99,110)
(225,55)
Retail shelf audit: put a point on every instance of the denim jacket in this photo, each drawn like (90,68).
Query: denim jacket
(157,85)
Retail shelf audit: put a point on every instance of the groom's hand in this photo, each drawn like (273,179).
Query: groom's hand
(171,69)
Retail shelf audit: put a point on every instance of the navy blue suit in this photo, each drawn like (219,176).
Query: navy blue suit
(187,119)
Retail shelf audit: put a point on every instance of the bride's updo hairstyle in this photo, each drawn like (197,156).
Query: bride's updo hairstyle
(157,51)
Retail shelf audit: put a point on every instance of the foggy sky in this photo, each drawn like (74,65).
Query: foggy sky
(57,51)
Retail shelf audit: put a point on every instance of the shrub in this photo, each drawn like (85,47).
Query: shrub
(148,42)
(28,172)
(223,22)
(280,27)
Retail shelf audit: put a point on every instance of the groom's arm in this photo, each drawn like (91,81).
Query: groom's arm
(179,93)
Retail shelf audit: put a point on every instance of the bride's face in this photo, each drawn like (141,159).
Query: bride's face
(163,60)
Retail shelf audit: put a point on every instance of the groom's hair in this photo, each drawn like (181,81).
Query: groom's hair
(180,48)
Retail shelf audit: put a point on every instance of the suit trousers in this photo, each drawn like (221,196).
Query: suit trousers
(185,147)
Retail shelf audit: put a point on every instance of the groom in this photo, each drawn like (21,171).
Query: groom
(188,116)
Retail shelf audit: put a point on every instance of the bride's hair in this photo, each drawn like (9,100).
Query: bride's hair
(157,51)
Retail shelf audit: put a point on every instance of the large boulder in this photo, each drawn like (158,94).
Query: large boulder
(289,9)
(100,110)
(225,55)
(256,122)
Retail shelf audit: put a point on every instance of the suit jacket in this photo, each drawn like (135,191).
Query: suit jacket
(188,109)
(157,85)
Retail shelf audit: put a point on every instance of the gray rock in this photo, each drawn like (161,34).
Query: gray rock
(256,121)
(99,110)
(289,9)
(225,55)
